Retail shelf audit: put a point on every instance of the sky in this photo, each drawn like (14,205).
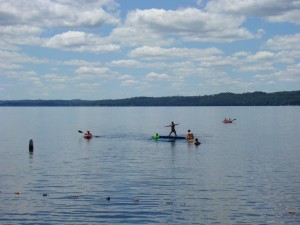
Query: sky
(113,49)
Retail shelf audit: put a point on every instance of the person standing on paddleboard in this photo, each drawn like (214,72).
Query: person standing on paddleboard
(172,125)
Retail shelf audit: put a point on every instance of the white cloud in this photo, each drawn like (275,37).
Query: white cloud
(56,13)
(154,27)
(44,43)
(290,74)
(12,36)
(228,82)
(80,42)
(156,76)
(24,76)
(125,63)
(56,78)
(148,52)
(256,67)
(178,85)
(263,55)
(129,82)
(289,56)
(134,35)
(272,10)
(126,77)
(14,56)
(78,62)
(25,22)
(88,86)
(92,70)
(284,42)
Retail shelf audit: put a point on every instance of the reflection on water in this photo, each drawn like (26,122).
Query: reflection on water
(243,173)
(30,157)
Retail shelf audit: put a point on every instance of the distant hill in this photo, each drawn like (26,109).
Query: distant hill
(224,99)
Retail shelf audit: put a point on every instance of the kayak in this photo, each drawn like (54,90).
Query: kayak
(228,121)
(190,140)
(173,137)
(87,136)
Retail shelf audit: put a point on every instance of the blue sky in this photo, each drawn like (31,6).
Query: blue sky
(109,49)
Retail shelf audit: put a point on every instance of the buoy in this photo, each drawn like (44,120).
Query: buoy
(31,145)
(108,198)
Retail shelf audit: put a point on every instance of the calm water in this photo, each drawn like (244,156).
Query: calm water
(247,172)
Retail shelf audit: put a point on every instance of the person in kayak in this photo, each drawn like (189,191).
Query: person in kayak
(228,120)
(172,125)
(190,135)
(88,133)
(155,137)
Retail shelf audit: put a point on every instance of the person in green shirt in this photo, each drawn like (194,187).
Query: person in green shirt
(155,137)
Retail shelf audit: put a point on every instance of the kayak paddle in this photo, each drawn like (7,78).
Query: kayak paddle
(79,131)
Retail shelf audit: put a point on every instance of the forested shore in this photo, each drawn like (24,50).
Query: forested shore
(223,99)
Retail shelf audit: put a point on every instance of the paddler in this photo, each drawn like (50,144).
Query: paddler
(172,125)
(197,142)
(190,135)
(88,133)
(155,137)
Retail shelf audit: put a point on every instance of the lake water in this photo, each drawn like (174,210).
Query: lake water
(247,172)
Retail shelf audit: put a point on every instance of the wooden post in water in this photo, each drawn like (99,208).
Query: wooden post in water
(31,146)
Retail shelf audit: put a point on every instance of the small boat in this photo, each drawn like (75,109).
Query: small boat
(87,136)
(190,140)
(228,120)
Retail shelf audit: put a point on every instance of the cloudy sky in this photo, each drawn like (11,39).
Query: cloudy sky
(110,49)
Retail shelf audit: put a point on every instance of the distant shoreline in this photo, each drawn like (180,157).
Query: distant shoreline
(284,98)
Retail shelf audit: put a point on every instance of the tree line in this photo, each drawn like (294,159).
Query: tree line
(223,99)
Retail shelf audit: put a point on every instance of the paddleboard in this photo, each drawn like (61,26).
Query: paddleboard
(172,137)
(165,140)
